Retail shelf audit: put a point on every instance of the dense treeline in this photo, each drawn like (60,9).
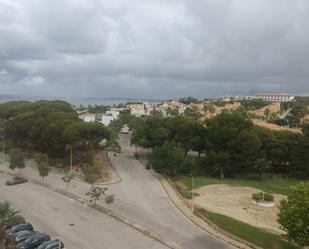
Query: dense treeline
(48,126)
(94,109)
(228,144)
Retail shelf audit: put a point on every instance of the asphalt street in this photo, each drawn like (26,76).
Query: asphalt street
(139,196)
(78,226)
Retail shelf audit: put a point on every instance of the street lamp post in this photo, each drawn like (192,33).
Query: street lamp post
(71,158)
(3,145)
(192,194)
(69,146)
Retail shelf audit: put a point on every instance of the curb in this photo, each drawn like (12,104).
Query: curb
(218,232)
(108,212)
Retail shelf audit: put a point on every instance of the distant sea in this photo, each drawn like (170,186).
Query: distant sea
(76,101)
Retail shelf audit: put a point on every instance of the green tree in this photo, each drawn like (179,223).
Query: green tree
(168,158)
(300,157)
(293,215)
(222,163)
(247,146)
(188,100)
(17,159)
(90,173)
(113,146)
(67,178)
(47,126)
(42,164)
(43,169)
(261,165)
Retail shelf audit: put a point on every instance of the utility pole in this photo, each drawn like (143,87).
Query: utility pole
(71,158)
(192,194)
(3,147)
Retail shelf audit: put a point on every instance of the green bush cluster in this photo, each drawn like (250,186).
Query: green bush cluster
(262,196)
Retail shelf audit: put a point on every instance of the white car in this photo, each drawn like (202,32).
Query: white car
(125,130)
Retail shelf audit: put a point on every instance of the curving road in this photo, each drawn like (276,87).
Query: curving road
(141,197)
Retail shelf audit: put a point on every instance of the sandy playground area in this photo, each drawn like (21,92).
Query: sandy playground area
(236,203)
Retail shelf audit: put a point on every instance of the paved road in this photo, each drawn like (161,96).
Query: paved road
(141,197)
(78,226)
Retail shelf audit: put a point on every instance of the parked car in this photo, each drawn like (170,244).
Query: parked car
(52,244)
(14,180)
(21,233)
(34,241)
(20,227)
(25,235)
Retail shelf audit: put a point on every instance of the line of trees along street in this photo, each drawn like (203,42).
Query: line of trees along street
(227,145)
(48,126)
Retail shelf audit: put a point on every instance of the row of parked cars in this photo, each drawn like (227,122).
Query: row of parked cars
(27,238)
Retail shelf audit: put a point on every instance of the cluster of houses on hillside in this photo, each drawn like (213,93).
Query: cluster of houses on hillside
(205,109)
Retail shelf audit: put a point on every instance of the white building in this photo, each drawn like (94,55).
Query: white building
(107,119)
(87,117)
(113,112)
(282,97)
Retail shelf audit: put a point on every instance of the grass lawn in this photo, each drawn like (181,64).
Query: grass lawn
(246,232)
(277,186)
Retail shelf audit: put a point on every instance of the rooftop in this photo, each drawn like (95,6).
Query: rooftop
(275,94)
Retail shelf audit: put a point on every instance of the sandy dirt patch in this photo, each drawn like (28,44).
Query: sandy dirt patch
(274,126)
(108,174)
(236,203)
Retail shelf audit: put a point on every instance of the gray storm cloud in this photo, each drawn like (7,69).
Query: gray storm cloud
(153,48)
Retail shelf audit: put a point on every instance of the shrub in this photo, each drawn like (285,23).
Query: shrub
(257,196)
(268,197)
(262,196)
(15,220)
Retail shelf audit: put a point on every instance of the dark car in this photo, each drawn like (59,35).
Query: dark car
(23,235)
(14,180)
(20,227)
(34,241)
(52,244)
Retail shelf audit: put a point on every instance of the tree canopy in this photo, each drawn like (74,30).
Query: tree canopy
(230,144)
(47,126)
(293,215)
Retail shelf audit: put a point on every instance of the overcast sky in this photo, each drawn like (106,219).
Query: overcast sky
(153,48)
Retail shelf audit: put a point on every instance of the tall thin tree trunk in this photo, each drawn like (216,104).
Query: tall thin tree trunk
(222,175)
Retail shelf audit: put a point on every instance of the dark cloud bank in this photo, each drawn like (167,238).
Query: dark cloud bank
(153,48)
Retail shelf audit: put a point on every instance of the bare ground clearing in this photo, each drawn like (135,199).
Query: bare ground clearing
(236,203)
(108,175)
